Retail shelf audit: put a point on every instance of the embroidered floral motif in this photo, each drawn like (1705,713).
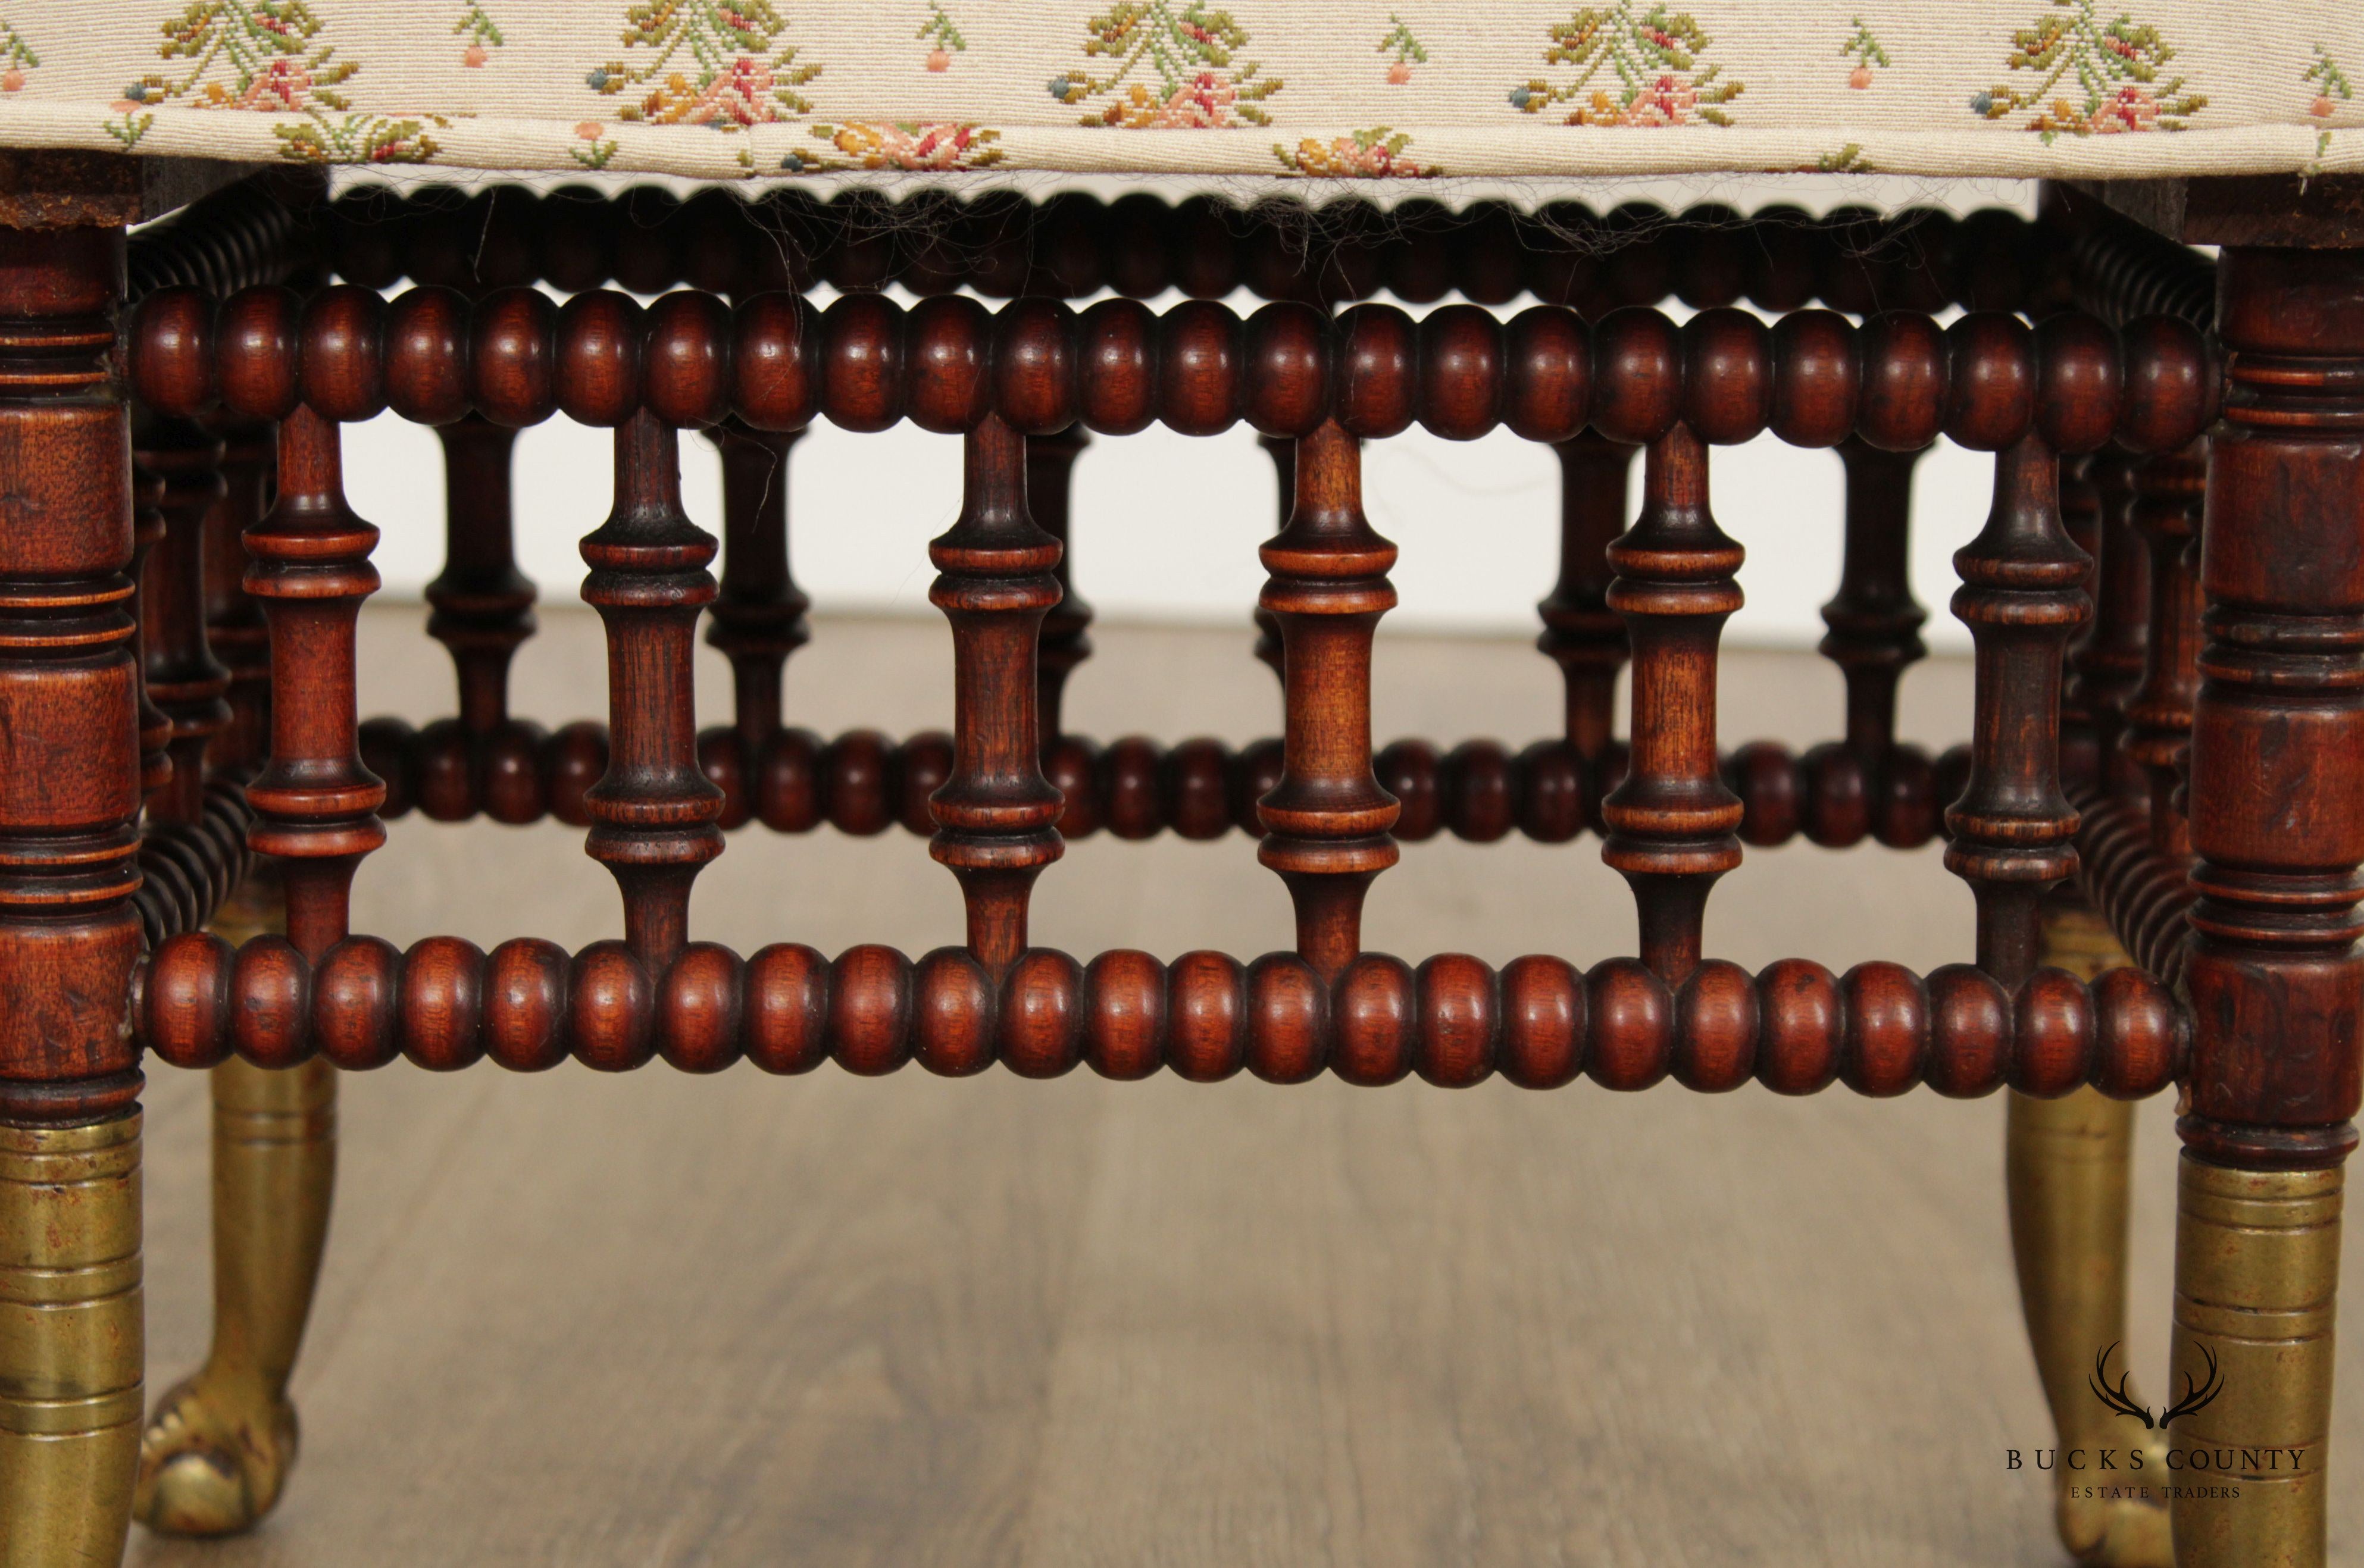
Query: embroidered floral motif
(940,27)
(1848,160)
(1374,154)
(262,55)
(1651,59)
(17,57)
(483,34)
(1174,67)
(2099,79)
(901,145)
(1868,53)
(710,63)
(1399,42)
(592,147)
(2325,76)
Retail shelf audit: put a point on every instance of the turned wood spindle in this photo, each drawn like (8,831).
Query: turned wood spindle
(483,606)
(1326,823)
(1672,822)
(315,804)
(235,628)
(2022,596)
(653,812)
(1874,620)
(996,813)
(2106,661)
(188,683)
(1066,642)
(155,728)
(1282,449)
(2169,490)
(758,619)
(1581,634)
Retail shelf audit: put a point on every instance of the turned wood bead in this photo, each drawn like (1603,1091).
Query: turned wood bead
(1795,1027)
(698,1027)
(612,1009)
(1287,1006)
(528,1005)
(443,1004)
(774,363)
(512,358)
(788,1008)
(1126,1021)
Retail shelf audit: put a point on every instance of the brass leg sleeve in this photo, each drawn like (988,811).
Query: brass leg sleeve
(2257,1278)
(72,1348)
(2065,1166)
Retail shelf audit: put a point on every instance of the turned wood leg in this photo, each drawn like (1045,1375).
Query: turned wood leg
(71,1349)
(215,1454)
(2272,964)
(2065,1166)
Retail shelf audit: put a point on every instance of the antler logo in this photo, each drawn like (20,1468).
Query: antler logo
(2116,1397)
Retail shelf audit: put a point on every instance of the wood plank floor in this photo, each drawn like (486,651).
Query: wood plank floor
(655,1320)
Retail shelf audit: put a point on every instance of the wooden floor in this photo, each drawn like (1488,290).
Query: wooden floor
(655,1320)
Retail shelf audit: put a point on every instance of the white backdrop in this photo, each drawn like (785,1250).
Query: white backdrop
(1166,527)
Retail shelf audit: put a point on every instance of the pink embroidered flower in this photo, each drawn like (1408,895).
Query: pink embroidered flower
(1205,102)
(11,80)
(283,84)
(1666,101)
(916,147)
(741,92)
(2133,108)
(588,130)
(474,56)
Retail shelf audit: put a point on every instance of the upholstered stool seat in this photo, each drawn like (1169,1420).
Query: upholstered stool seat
(1327,88)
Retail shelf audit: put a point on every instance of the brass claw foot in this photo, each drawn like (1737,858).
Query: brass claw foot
(2066,1164)
(215,1455)
(214,1458)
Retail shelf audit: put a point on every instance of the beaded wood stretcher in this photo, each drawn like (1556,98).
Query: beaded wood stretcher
(169,740)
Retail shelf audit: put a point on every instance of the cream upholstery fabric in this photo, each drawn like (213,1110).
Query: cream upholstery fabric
(1322,88)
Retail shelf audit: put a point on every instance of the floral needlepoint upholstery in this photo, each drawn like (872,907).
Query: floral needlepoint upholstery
(1329,89)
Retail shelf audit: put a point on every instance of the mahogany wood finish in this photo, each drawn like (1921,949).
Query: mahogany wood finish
(2111,424)
(653,812)
(774,363)
(1672,823)
(1066,638)
(1538,1021)
(996,813)
(1326,822)
(758,618)
(239,636)
(188,684)
(2277,813)
(1581,634)
(70,1373)
(1136,787)
(2165,513)
(1875,622)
